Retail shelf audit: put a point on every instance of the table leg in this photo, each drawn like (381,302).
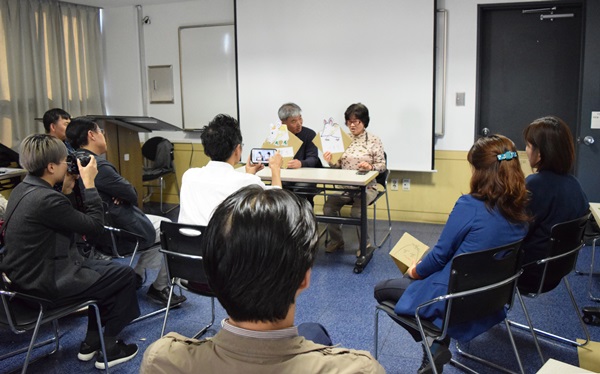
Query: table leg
(365,254)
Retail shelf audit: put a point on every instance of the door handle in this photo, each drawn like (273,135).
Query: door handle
(588,140)
(485,131)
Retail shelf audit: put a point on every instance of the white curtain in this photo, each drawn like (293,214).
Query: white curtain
(51,56)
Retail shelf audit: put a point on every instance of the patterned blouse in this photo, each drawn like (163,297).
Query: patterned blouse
(364,147)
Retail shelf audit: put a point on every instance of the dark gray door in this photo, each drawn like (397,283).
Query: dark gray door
(588,156)
(528,68)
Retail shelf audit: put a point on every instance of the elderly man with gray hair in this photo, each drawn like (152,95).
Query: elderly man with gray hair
(307,155)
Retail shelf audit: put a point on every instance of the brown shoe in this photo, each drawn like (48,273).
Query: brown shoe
(334,246)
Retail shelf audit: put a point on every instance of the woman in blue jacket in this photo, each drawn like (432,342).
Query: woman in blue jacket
(491,215)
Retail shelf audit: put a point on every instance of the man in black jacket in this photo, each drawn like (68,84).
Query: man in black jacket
(41,257)
(307,155)
(121,199)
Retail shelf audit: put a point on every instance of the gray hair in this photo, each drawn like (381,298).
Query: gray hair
(38,150)
(289,110)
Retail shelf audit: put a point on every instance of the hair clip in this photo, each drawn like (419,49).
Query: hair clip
(507,156)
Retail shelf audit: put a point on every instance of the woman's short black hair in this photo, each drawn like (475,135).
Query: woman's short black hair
(359,111)
(552,138)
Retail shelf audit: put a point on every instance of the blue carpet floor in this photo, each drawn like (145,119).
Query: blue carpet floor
(343,302)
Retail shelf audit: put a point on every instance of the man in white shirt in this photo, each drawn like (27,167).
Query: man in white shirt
(204,188)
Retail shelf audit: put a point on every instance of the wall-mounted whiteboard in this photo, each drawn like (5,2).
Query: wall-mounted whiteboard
(326,55)
(208,73)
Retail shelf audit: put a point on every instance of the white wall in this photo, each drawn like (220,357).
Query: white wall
(124,95)
(161,45)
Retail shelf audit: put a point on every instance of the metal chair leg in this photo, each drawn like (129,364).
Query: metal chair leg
(102,342)
(162,332)
(376,342)
(389,231)
(489,363)
(553,336)
(212,320)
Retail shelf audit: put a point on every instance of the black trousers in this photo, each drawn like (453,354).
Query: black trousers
(116,295)
(392,290)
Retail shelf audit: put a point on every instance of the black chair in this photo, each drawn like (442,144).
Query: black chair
(481,284)
(181,248)
(382,181)
(159,158)
(21,312)
(114,242)
(119,243)
(566,240)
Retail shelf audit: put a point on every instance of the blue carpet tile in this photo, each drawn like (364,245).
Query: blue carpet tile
(343,302)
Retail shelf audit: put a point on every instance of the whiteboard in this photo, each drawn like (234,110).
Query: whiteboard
(326,55)
(208,73)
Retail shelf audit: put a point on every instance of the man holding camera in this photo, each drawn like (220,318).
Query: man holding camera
(202,189)
(120,198)
(40,255)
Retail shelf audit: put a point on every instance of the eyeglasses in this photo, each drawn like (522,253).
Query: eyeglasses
(101,131)
(352,122)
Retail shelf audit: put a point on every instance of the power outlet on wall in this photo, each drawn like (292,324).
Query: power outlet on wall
(395,184)
(406,184)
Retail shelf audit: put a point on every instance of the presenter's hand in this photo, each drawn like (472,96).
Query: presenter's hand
(365,166)
(327,157)
(253,168)
(276,161)
(294,164)
(89,172)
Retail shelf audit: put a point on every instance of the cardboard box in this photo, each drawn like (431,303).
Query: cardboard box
(407,251)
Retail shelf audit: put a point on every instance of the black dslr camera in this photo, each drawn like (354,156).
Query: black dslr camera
(72,161)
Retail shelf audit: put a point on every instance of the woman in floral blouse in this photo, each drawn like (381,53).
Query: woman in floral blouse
(364,153)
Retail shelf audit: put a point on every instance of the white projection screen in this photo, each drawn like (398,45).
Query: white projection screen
(327,54)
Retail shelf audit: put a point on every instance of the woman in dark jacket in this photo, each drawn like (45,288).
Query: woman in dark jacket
(556,195)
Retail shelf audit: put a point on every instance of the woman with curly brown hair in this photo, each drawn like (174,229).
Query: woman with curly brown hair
(491,215)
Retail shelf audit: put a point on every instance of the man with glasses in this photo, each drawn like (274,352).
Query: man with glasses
(121,199)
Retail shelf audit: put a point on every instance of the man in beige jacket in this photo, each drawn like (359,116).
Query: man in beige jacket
(258,251)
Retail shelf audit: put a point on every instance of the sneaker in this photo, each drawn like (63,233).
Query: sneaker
(441,356)
(162,297)
(334,246)
(86,353)
(120,353)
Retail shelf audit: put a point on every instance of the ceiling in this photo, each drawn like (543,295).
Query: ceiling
(121,3)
